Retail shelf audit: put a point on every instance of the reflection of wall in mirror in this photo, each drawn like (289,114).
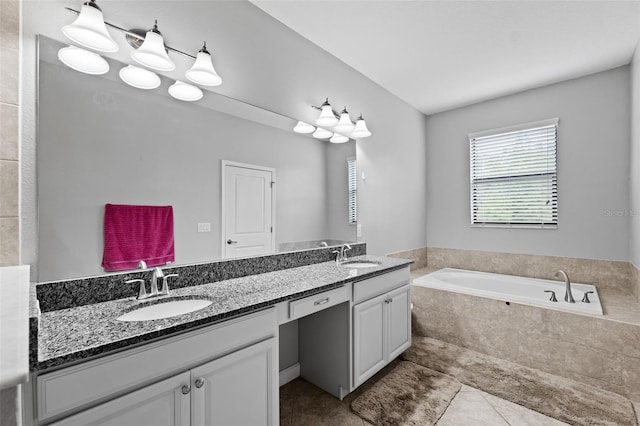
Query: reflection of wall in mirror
(100,141)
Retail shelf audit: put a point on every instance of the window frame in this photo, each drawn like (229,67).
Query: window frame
(501,131)
(352,194)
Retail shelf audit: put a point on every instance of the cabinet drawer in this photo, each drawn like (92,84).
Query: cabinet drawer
(302,307)
(95,381)
(372,287)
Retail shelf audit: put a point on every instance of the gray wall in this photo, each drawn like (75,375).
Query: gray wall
(634,160)
(266,64)
(104,142)
(593,169)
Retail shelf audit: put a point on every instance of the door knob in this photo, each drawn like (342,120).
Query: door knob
(199,383)
(186,389)
(230,241)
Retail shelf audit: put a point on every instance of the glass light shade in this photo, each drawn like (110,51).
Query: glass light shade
(338,138)
(202,71)
(82,60)
(303,127)
(321,133)
(360,131)
(185,92)
(88,30)
(139,77)
(326,117)
(344,125)
(152,53)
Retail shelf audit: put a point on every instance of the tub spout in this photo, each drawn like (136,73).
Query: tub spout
(568,296)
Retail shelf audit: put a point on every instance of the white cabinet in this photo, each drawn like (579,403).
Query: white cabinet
(223,374)
(161,404)
(381,329)
(237,389)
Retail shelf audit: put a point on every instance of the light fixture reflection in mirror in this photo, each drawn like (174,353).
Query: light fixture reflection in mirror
(304,128)
(82,60)
(321,133)
(338,138)
(139,77)
(185,92)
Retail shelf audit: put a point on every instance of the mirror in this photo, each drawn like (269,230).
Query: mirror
(101,141)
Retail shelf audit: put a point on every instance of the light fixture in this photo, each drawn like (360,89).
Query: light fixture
(82,60)
(327,117)
(338,138)
(89,29)
(139,77)
(321,133)
(360,131)
(303,127)
(185,92)
(152,52)
(344,124)
(344,127)
(202,71)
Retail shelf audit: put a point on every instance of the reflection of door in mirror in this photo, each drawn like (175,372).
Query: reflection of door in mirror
(248,206)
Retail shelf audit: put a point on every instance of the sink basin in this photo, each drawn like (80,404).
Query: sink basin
(360,264)
(166,309)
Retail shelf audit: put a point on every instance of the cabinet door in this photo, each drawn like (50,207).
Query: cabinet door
(237,389)
(160,404)
(399,321)
(368,338)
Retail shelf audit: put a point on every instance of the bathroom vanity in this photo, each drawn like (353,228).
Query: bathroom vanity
(219,365)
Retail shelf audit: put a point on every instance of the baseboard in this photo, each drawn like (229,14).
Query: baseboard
(289,373)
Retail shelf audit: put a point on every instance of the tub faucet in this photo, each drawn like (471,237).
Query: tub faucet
(568,296)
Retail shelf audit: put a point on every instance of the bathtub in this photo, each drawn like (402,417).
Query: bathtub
(510,288)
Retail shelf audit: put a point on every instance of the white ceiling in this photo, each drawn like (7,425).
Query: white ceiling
(439,55)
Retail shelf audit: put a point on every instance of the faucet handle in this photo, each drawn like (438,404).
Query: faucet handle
(553,295)
(165,285)
(585,298)
(338,255)
(142,292)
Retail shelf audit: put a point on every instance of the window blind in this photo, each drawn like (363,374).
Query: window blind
(353,190)
(513,176)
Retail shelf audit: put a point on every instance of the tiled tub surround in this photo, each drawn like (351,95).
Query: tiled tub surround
(71,334)
(599,351)
(604,274)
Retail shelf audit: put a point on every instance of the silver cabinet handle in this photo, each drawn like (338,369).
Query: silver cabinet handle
(230,241)
(321,302)
(200,382)
(186,389)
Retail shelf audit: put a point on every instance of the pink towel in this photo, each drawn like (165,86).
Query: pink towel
(135,233)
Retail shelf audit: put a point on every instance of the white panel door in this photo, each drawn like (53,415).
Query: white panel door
(161,404)
(399,321)
(247,210)
(369,338)
(239,389)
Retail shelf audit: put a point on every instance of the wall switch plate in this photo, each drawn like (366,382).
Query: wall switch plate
(204,227)
(358,230)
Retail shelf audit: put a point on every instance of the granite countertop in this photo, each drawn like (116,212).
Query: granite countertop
(73,334)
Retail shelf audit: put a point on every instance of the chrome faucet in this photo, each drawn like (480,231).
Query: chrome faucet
(341,255)
(568,296)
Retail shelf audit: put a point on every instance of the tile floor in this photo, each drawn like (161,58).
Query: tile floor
(301,403)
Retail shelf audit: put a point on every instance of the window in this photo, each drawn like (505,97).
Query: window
(513,176)
(353,190)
